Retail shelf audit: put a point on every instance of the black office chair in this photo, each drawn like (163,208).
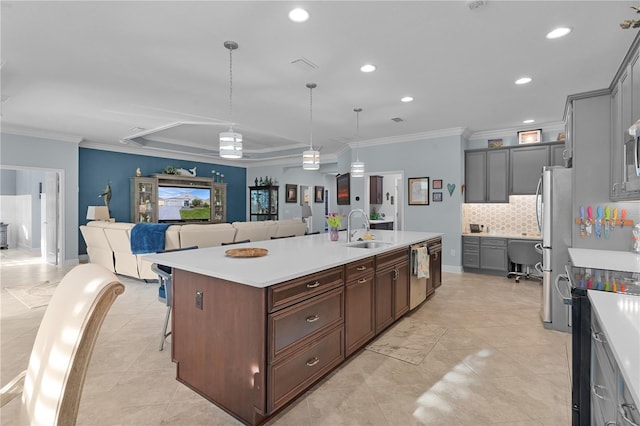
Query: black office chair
(524,256)
(165,290)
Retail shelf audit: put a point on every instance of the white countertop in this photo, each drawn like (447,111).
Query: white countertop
(511,236)
(288,258)
(605,259)
(619,315)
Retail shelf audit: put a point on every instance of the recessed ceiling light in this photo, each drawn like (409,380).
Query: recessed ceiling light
(559,32)
(529,121)
(298,15)
(407,99)
(524,80)
(368,68)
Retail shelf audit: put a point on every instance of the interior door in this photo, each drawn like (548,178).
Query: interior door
(51,201)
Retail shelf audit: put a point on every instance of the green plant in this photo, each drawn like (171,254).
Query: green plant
(334,220)
(170,170)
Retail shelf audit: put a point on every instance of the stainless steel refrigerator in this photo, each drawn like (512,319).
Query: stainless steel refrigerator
(554,207)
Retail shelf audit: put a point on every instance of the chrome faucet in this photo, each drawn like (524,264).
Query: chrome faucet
(366,222)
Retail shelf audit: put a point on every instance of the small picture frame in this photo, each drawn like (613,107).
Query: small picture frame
(494,143)
(419,191)
(530,136)
(319,191)
(437,184)
(291,194)
(437,197)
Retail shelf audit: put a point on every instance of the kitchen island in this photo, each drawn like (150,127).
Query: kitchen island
(252,334)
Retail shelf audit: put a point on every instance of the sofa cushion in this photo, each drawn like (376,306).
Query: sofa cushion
(254,231)
(288,227)
(206,235)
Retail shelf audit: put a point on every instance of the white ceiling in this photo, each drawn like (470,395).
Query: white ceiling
(95,71)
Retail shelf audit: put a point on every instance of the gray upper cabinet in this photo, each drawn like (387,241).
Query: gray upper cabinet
(475,165)
(526,163)
(497,176)
(486,176)
(557,154)
(525,168)
(625,110)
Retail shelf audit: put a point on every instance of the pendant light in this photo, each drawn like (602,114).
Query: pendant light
(357,167)
(311,158)
(230,142)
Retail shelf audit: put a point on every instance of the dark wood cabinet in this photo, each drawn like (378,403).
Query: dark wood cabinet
(263,203)
(435,265)
(359,305)
(375,189)
(392,287)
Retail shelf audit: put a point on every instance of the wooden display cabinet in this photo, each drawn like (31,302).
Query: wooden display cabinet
(263,203)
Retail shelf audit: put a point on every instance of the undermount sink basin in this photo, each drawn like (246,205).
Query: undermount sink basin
(368,244)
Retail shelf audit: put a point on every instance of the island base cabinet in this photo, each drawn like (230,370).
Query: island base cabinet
(392,288)
(384,299)
(217,346)
(359,313)
(289,377)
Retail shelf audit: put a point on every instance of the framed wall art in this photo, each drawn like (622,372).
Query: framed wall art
(530,136)
(343,184)
(437,197)
(319,191)
(437,184)
(419,191)
(291,194)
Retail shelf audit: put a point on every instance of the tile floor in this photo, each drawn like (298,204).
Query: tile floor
(473,354)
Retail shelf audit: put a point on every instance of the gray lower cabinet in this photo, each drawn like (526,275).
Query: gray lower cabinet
(493,254)
(485,254)
(470,252)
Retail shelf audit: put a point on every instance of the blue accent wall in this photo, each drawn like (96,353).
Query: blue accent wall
(97,168)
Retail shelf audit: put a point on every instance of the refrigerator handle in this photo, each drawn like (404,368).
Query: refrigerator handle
(538,204)
(538,247)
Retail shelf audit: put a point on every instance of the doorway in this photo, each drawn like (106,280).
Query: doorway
(31,207)
(392,206)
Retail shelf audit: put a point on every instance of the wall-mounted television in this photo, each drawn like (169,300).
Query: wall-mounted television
(184,204)
(343,183)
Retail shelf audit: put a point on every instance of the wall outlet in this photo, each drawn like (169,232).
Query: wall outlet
(453,252)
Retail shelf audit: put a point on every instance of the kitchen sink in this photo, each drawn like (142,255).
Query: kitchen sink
(368,244)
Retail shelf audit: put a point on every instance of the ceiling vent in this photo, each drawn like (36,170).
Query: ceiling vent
(304,64)
(474,4)
(397,119)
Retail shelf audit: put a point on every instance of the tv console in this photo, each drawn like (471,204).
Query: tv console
(146,198)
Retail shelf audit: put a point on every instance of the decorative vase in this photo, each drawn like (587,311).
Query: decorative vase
(333,233)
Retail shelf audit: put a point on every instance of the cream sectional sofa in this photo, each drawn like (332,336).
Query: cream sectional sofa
(109,243)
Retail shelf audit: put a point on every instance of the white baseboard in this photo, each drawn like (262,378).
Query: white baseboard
(452,269)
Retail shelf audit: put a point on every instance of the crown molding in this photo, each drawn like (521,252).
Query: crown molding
(42,134)
(456,131)
(490,134)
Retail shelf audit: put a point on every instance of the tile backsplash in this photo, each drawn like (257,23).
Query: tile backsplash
(519,216)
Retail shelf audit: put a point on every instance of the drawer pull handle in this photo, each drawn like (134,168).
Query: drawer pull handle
(362,280)
(623,413)
(314,285)
(313,318)
(595,388)
(313,362)
(361,268)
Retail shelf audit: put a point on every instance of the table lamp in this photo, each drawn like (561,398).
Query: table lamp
(98,213)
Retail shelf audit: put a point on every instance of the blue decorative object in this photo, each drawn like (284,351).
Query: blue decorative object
(148,237)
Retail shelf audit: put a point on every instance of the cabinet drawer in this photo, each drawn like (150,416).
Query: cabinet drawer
(357,269)
(305,319)
(392,258)
(471,260)
(495,242)
(435,246)
(288,378)
(290,292)
(471,248)
(471,240)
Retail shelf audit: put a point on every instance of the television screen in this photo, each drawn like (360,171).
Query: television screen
(343,189)
(183,204)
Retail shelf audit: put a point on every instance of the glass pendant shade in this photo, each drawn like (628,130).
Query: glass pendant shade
(357,169)
(311,160)
(230,144)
